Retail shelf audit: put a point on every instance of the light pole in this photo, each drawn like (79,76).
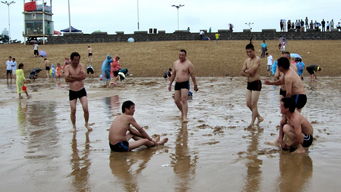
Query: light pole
(9,20)
(249,24)
(69,15)
(138,15)
(177,8)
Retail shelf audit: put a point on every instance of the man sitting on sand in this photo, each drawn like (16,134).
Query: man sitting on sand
(120,132)
(297,132)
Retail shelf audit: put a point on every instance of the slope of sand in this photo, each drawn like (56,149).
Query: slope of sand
(211,58)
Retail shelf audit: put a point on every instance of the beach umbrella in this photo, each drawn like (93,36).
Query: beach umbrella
(131,40)
(42,53)
(295,55)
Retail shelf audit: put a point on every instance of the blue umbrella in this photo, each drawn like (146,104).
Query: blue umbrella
(42,53)
(295,55)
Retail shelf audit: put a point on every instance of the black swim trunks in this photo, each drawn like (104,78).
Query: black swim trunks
(311,69)
(254,85)
(182,85)
(283,92)
(122,146)
(77,94)
(47,68)
(300,100)
(8,72)
(308,140)
(89,54)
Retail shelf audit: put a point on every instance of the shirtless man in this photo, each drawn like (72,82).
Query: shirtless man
(254,85)
(297,133)
(120,132)
(293,84)
(89,55)
(183,69)
(46,64)
(74,75)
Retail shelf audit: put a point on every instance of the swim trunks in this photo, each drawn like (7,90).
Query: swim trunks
(77,94)
(300,100)
(122,146)
(308,140)
(89,54)
(283,92)
(47,68)
(182,85)
(254,85)
(8,72)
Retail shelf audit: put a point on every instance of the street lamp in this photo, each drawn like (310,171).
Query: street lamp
(69,16)
(177,8)
(138,15)
(9,20)
(249,24)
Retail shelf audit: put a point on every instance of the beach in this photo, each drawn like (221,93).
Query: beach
(151,59)
(215,151)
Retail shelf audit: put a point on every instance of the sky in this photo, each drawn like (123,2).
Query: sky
(121,15)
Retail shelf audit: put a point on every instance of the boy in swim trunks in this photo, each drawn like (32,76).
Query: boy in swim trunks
(74,75)
(297,133)
(312,69)
(254,85)
(121,132)
(183,69)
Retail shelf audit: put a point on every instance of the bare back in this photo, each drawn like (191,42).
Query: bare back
(297,120)
(293,83)
(72,71)
(119,128)
(182,70)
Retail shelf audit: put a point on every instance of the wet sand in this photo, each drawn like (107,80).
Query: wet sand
(214,152)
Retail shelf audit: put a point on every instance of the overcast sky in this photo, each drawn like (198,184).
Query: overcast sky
(121,15)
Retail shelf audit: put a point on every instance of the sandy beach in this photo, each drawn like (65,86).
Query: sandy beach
(151,59)
(215,151)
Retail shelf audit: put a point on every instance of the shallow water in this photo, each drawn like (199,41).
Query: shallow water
(213,152)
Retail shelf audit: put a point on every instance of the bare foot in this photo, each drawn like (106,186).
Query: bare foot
(185,120)
(20,97)
(260,119)
(88,126)
(251,126)
(163,141)
(156,138)
(273,143)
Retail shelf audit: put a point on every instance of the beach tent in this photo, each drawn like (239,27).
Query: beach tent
(73,30)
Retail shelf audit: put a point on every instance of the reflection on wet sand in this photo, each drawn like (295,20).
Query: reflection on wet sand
(113,103)
(253,177)
(128,166)
(80,164)
(21,115)
(295,171)
(183,165)
(42,131)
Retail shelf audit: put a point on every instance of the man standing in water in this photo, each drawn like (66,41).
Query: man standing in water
(74,75)
(254,85)
(183,69)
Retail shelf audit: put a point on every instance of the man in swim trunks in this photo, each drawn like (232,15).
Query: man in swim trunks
(89,55)
(312,69)
(74,75)
(121,132)
(293,84)
(46,64)
(297,133)
(182,70)
(254,85)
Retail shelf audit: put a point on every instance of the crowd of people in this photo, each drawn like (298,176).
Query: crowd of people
(301,25)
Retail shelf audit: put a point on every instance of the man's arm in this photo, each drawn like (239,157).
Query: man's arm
(243,73)
(171,79)
(288,87)
(278,82)
(139,129)
(191,72)
(252,71)
(74,77)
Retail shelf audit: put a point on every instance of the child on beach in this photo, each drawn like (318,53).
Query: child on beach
(121,132)
(58,71)
(21,81)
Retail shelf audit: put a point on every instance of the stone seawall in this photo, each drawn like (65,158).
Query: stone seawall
(139,36)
